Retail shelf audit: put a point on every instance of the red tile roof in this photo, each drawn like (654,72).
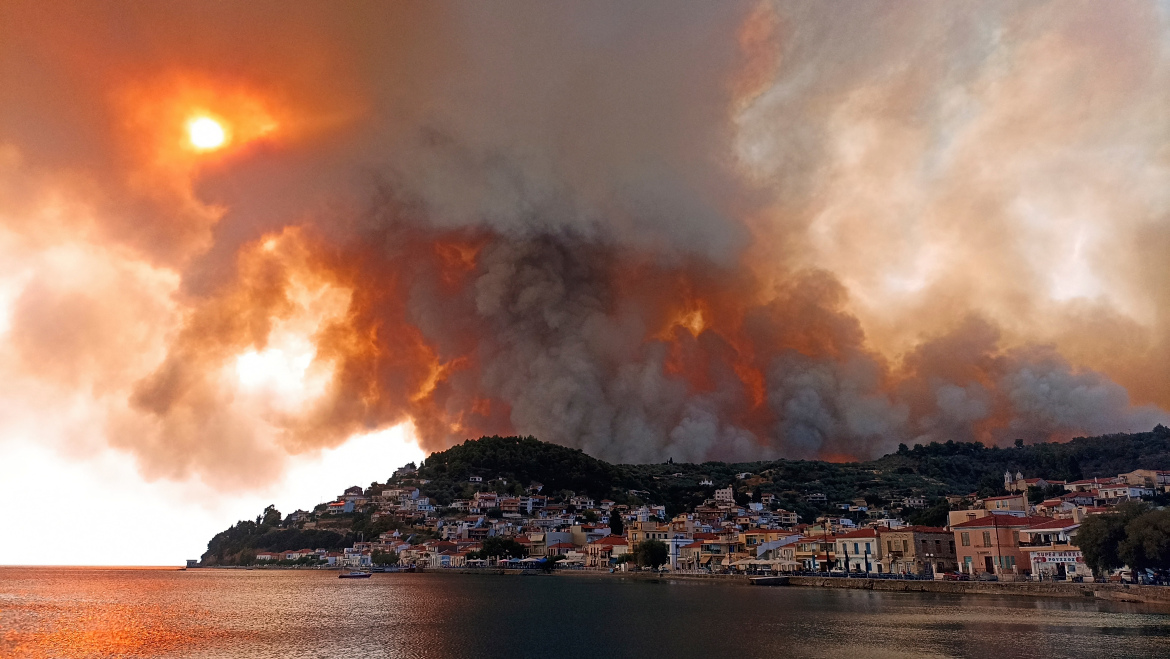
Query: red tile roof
(991,521)
(860,533)
(610,540)
(1053,524)
(916,529)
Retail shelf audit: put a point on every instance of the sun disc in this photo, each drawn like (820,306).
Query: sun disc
(206,133)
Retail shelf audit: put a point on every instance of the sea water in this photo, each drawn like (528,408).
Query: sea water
(110,612)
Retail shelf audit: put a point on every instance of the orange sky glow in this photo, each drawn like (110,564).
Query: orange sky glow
(254,254)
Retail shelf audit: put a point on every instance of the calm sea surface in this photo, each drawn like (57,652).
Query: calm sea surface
(83,612)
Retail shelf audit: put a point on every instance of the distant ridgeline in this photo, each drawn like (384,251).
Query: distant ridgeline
(512,464)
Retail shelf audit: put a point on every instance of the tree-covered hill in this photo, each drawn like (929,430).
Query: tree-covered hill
(966,467)
(240,543)
(931,470)
(508,465)
(520,461)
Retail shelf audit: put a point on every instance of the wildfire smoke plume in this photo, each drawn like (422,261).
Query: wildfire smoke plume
(738,231)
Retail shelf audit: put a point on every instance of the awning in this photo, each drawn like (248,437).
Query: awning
(759,562)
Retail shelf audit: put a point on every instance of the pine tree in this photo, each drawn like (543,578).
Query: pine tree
(616,527)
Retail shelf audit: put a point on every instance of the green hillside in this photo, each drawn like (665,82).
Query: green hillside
(931,470)
(509,465)
(520,461)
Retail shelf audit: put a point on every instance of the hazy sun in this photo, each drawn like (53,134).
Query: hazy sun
(206,133)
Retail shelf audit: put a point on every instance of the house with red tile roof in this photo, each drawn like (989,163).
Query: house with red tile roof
(992,544)
(559,549)
(603,551)
(1080,498)
(1086,485)
(817,552)
(688,555)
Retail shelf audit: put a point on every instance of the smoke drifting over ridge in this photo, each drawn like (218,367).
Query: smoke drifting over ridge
(734,231)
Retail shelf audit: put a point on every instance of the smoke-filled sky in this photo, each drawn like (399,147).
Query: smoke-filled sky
(651,230)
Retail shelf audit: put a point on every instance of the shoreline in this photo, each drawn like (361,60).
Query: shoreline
(1113,592)
(1130,593)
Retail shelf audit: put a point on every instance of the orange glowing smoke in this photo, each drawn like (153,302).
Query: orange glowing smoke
(178,116)
(708,242)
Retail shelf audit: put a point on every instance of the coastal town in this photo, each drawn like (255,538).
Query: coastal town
(1030,533)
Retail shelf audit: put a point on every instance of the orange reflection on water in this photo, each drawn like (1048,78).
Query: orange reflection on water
(91,612)
(109,630)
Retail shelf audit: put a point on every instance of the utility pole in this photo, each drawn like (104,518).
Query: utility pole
(995,523)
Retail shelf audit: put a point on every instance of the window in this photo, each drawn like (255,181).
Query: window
(987,538)
(953,546)
(966,539)
(855,550)
(905,546)
(890,545)
(867,550)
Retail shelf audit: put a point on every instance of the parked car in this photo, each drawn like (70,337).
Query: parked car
(987,576)
(956,576)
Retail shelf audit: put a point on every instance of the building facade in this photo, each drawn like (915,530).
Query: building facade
(991,544)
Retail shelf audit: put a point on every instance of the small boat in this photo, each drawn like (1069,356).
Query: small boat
(355,575)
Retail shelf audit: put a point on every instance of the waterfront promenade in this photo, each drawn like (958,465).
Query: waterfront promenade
(1105,591)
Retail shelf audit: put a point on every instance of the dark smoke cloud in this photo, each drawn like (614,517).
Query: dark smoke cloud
(713,231)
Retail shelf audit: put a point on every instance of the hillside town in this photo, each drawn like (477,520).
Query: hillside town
(1028,534)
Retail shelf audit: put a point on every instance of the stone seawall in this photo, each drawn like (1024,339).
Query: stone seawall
(1106,591)
(640,576)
